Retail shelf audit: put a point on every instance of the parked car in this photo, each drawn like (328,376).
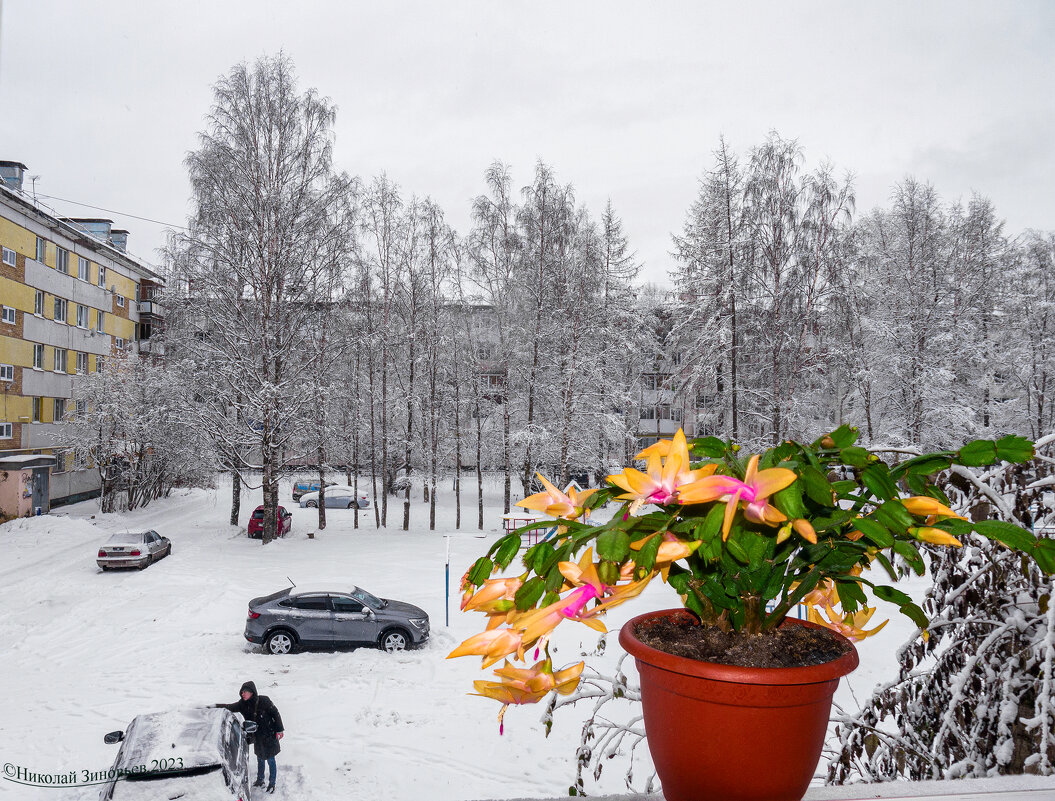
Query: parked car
(188,753)
(302,487)
(133,550)
(339,497)
(283,524)
(327,618)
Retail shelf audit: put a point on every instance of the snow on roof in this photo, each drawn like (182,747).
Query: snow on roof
(194,735)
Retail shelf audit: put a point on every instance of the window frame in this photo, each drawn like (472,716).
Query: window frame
(58,409)
(62,260)
(9,312)
(10,430)
(63,359)
(38,410)
(83,316)
(38,303)
(62,303)
(84,269)
(42,249)
(13,258)
(38,351)
(82,357)
(7,372)
(120,301)
(99,316)
(102,275)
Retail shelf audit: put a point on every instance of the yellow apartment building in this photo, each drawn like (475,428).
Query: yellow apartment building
(70,296)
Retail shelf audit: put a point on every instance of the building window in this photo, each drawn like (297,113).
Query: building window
(119,343)
(99,321)
(38,304)
(493,380)
(120,301)
(83,269)
(648,413)
(80,407)
(61,461)
(60,310)
(42,249)
(102,275)
(7,431)
(60,409)
(650,381)
(37,404)
(9,256)
(100,363)
(60,360)
(82,362)
(62,260)
(38,356)
(82,316)
(7,372)
(8,315)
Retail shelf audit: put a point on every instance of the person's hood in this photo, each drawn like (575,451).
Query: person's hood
(248,686)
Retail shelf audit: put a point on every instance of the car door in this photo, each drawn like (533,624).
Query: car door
(153,543)
(311,617)
(335,499)
(352,621)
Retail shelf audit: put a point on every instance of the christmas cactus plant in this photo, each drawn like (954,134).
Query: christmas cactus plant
(742,539)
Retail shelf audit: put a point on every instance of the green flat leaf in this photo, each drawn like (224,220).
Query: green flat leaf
(481,571)
(979,453)
(877,478)
(843,486)
(613,545)
(505,549)
(736,550)
(926,465)
(850,593)
(540,557)
(554,581)
(529,593)
(889,568)
(1015,449)
(646,557)
(874,532)
(816,486)
(711,527)
(855,456)
(1044,553)
(917,484)
(708,447)
(1008,534)
(895,516)
(910,553)
(789,500)
(890,594)
(915,614)
(843,436)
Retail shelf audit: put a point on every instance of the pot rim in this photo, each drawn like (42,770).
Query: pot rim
(808,674)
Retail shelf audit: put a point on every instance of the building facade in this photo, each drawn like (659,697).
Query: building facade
(70,297)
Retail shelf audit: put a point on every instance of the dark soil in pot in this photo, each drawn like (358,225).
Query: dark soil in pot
(788,646)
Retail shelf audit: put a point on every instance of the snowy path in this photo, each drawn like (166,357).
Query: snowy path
(86,651)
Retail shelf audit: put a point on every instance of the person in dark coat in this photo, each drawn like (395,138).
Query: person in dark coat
(269,730)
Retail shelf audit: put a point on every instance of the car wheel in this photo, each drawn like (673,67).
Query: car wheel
(168,551)
(351,504)
(312,505)
(279,642)
(394,640)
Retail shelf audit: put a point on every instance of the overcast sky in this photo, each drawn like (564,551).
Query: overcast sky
(625,100)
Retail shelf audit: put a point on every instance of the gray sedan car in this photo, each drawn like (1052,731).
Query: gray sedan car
(336,498)
(325,618)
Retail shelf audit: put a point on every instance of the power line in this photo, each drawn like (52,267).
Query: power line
(111,211)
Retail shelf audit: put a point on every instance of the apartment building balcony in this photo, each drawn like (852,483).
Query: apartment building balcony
(153,347)
(150,308)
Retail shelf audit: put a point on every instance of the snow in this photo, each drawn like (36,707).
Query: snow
(87,651)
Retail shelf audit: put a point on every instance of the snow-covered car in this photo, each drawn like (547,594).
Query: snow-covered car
(326,618)
(283,523)
(337,497)
(301,488)
(187,753)
(133,550)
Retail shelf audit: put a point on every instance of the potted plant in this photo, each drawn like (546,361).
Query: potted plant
(739,710)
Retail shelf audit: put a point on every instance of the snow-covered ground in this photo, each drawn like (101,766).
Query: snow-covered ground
(85,651)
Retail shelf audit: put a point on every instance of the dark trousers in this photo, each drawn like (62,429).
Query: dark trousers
(271,768)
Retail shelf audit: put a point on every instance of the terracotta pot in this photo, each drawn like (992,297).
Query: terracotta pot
(727,733)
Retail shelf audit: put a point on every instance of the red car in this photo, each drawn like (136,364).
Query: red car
(256,522)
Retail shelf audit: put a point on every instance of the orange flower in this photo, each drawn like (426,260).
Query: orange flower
(665,475)
(528,685)
(851,625)
(753,492)
(556,503)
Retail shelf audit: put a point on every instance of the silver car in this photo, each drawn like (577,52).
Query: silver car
(133,550)
(324,618)
(337,498)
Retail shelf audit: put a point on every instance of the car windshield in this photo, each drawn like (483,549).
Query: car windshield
(258,514)
(368,599)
